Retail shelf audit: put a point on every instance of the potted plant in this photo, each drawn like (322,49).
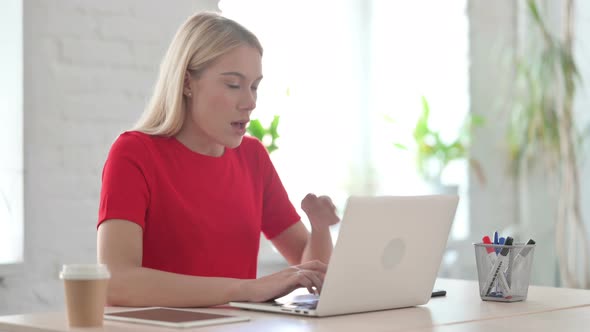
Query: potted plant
(433,154)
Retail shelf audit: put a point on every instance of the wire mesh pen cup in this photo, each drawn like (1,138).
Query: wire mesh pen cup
(504,271)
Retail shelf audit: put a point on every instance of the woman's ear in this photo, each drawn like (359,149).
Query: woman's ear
(186,89)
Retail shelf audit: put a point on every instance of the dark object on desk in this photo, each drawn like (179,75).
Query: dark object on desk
(172,317)
(438,292)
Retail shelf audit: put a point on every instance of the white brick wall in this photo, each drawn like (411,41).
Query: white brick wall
(89,69)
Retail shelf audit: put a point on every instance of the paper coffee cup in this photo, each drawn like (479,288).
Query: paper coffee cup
(85,289)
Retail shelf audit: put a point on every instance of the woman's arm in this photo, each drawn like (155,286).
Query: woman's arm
(319,246)
(120,246)
(297,245)
(322,214)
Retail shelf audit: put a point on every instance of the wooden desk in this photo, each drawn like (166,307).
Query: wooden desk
(567,320)
(462,305)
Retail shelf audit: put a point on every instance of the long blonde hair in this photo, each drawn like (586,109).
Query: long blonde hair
(201,40)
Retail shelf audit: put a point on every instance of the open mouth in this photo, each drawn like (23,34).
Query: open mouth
(239,124)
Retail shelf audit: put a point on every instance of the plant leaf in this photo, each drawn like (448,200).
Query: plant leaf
(255,129)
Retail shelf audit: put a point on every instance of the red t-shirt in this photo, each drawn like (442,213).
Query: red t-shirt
(200,215)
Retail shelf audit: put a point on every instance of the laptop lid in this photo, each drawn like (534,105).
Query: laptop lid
(387,255)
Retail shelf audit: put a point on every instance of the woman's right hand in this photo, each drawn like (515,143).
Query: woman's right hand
(309,275)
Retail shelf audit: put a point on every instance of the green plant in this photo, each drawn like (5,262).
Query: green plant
(543,73)
(256,129)
(433,154)
(542,132)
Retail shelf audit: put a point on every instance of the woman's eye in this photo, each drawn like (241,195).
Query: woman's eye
(233,86)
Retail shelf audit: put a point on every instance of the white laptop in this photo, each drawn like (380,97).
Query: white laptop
(387,256)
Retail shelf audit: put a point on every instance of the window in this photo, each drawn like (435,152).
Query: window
(418,48)
(304,83)
(311,79)
(11,134)
(346,64)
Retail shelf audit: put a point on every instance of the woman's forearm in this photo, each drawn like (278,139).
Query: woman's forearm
(319,245)
(138,286)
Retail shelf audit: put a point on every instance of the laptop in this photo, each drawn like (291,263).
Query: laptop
(387,256)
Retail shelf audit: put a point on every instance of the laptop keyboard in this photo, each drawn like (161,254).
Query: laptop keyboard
(301,305)
(305,302)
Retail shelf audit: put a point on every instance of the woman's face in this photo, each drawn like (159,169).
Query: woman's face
(222,99)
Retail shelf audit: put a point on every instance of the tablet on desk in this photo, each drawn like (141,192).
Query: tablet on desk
(172,317)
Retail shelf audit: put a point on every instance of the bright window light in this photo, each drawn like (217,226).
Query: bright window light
(11,133)
(334,69)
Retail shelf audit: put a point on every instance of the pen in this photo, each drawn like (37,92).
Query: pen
(497,271)
(490,250)
(496,241)
(525,251)
(492,259)
(500,242)
(518,257)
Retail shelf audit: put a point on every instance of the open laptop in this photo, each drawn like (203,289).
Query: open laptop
(387,256)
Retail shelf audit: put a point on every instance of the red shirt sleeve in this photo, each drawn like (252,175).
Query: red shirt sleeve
(278,213)
(125,182)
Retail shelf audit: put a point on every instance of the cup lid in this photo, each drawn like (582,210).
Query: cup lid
(84,271)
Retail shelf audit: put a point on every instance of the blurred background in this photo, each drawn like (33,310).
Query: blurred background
(486,99)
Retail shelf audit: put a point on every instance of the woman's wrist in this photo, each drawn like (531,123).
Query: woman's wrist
(241,290)
(319,228)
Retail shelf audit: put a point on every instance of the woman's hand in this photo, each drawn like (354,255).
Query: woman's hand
(309,275)
(320,211)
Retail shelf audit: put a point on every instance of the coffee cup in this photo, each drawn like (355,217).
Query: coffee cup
(85,288)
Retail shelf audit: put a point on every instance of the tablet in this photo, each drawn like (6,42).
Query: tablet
(172,317)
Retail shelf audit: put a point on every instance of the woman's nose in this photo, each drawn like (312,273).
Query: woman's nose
(248,102)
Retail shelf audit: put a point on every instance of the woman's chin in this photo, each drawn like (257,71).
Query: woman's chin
(234,142)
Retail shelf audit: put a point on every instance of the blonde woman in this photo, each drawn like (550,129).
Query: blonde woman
(185,195)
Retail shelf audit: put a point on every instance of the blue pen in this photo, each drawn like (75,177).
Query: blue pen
(500,242)
(496,242)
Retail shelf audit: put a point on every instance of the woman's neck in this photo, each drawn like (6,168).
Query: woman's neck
(197,141)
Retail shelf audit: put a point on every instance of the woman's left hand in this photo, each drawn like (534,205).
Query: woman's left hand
(320,211)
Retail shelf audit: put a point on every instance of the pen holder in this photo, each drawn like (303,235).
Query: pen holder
(504,271)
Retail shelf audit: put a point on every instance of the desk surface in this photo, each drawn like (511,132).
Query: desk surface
(460,310)
(570,320)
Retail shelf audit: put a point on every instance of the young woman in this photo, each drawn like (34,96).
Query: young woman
(185,195)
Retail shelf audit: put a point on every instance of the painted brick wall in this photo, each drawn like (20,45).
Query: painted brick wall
(89,69)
